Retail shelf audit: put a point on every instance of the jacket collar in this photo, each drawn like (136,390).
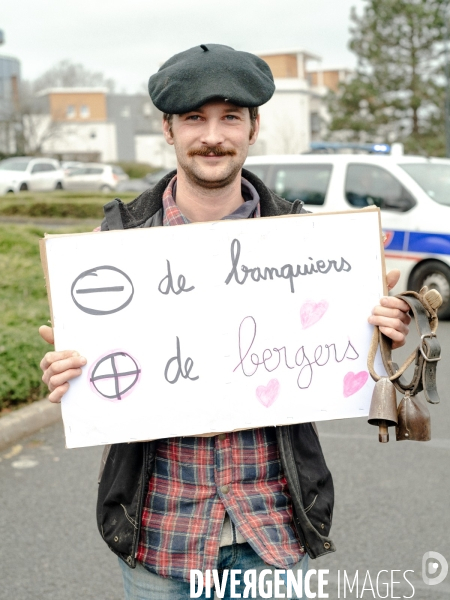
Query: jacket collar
(127,216)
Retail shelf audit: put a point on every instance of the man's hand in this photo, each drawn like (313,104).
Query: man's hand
(391,315)
(59,367)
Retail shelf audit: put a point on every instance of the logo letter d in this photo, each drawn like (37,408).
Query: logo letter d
(431,568)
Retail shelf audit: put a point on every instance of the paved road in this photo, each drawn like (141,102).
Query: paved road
(392,500)
(392,506)
(50,548)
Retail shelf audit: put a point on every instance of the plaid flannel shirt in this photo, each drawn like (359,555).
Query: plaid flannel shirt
(197,480)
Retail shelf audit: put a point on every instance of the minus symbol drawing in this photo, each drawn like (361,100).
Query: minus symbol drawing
(115,288)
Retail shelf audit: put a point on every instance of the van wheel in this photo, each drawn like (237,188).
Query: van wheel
(435,275)
(105,189)
(23,187)
(59,186)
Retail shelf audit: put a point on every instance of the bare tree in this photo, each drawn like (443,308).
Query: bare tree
(26,123)
(69,74)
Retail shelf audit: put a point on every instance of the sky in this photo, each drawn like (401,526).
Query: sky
(128,40)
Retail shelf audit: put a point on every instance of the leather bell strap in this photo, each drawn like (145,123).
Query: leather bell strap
(425,356)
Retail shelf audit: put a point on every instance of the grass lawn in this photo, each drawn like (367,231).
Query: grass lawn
(58,204)
(24,307)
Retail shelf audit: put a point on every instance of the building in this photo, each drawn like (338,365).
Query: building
(139,132)
(297,113)
(330,79)
(285,121)
(73,124)
(322,81)
(9,103)
(89,124)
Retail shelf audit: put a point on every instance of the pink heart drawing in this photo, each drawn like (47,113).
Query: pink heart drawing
(353,382)
(267,394)
(311,312)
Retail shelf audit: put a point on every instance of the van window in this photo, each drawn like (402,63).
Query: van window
(434,179)
(368,185)
(303,182)
(258,170)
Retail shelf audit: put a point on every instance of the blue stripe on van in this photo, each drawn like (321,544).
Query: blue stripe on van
(432,243)
(395,240)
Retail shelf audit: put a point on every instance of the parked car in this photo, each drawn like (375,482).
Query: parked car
(94,176)
(28,173)
(412,192)
(145,183)
(69,165)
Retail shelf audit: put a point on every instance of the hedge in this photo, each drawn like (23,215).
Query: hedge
(23,299)
(137,170)
(57,205)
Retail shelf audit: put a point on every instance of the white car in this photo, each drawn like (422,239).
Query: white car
(412,192)
(27,173)
(69,165)
(94,176)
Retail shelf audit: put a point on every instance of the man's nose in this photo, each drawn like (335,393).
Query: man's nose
(212,133)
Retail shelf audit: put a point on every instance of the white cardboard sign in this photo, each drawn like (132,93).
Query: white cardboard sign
(215,326)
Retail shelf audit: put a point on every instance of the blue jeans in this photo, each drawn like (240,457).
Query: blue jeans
(140,584)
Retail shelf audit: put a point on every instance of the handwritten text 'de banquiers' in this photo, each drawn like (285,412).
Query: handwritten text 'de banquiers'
(287,271)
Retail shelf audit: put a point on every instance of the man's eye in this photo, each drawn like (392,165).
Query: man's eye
(231,117)
(193,117)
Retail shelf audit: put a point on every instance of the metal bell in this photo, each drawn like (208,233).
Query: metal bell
(413,420)
(432,296)
(383,408)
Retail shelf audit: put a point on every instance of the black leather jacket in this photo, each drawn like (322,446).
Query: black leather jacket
(127,468)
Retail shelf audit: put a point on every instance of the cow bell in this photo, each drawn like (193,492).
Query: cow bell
(383,408)
(413,420)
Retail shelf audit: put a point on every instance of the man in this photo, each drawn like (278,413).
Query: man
(249,500)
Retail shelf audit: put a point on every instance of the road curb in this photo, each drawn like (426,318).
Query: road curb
(27,420)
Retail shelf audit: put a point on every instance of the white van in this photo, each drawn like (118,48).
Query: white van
(412,192)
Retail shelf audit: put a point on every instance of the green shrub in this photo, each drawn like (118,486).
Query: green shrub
(58,204)
(20,376)
(23,299)
(52,210)
(136,170)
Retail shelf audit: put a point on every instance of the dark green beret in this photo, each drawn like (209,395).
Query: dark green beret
(195,76)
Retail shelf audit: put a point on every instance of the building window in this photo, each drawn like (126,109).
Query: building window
(146,109)
(70,112)
(125,112)
(307,182)
(85,111)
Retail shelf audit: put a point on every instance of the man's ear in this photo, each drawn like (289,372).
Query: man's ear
(167,131)
(254,136)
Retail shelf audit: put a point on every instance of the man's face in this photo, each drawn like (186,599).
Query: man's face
(211,143)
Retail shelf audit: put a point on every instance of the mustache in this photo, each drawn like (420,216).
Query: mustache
(216,150)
